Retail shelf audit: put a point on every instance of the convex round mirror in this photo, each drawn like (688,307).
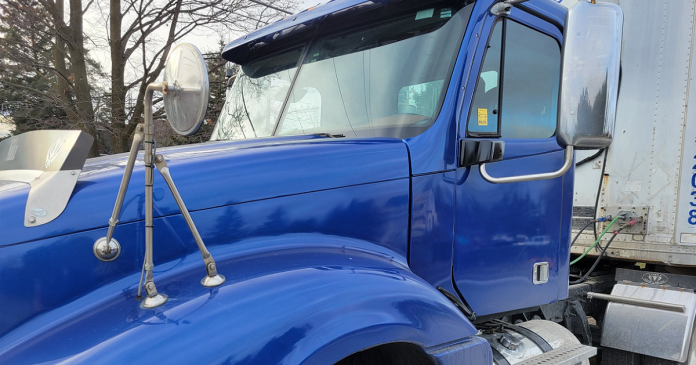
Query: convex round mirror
(186,99)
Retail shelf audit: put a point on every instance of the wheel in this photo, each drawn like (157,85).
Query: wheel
(649,360)
(389,354)
(619,357)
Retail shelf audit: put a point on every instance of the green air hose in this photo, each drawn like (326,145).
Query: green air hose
(597,241)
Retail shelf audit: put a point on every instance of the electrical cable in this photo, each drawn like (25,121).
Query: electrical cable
(604,250)
(584,277)
(599,190)
(589,158)
(580,232)
(597,241)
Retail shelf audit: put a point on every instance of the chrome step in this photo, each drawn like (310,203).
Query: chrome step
(571,354)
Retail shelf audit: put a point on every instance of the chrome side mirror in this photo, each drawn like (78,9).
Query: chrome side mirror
(590,75)
(185,88)
(589,84)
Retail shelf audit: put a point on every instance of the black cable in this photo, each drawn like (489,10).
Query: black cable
(604,250)
(579,233)
(599,191)
(589,158)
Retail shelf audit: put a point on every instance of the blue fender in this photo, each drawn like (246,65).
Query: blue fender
(290,299)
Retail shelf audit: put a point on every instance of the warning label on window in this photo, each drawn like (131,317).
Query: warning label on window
(483,117)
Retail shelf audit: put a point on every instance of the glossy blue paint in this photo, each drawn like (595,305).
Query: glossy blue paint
(502,230)
(432,228)
(284,303)
(237,171)
(330,246)
(376,213)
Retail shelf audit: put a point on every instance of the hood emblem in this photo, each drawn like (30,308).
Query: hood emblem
(38,212)
(12,151)
(52,153)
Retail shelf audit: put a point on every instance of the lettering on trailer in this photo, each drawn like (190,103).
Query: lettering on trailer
(692,213)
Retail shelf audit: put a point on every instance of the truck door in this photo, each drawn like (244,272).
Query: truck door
(503,230)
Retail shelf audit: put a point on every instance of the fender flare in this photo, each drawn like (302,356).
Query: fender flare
(291,299)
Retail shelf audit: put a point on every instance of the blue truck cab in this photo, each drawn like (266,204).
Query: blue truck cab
(349,196)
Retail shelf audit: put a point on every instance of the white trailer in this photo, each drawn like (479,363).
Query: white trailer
(647,173)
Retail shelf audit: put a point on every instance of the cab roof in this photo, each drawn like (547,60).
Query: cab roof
(300,25)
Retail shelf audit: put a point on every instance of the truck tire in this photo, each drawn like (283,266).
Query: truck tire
(389,354)
(619,357)
(649,360)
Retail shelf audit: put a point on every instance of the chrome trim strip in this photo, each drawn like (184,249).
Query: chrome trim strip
(638,302)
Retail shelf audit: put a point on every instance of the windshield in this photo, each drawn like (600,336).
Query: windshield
(253,103)
(384,80)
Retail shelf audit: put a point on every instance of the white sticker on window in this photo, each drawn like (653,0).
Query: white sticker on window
(423,14)
(445,13)
(490,79)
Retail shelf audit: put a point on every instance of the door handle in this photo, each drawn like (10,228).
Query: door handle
(543,176)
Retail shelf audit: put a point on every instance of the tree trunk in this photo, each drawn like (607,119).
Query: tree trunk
(63,87)
(83,97)
(120,136)
(139,107)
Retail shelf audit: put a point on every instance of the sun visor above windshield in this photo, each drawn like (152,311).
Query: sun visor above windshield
(298,27)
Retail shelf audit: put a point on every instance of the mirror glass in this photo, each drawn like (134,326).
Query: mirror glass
(590,75)
(186,99)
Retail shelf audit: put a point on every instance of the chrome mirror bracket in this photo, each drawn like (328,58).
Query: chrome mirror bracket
(104,248)
(212,278)
(153,299)
(503,8)
(106,252)
(197,86)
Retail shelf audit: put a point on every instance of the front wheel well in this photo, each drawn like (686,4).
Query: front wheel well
(396,353)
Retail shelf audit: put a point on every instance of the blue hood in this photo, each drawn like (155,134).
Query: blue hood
(211,175)
(356,189)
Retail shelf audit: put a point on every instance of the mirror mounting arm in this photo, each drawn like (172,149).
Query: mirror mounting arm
(197,90)
(504,7)
(125,180)
(568,162)
(212,278)
(153,299)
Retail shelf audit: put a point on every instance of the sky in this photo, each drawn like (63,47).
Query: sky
(205,39)
(206,43)
(96,30)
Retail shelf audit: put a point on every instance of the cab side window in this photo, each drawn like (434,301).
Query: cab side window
(517,91)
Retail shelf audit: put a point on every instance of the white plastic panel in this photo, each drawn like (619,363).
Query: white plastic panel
(645,158)
(686,209)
